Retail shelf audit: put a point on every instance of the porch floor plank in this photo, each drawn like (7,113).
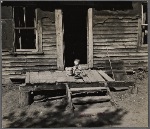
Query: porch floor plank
(105,76)
(61,77)
(97,76)
(86,78)
(90,75)
(46,77)
(34,77)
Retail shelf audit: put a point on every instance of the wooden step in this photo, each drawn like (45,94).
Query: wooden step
(91,99)
(105,76)
(118,84)
(88,89)
(121,88)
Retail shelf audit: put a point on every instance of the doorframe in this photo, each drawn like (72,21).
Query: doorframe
(90,38)
(59,38)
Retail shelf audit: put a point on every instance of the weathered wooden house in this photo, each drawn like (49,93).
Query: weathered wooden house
(45,36)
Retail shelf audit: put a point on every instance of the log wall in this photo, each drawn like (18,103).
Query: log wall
(116,37)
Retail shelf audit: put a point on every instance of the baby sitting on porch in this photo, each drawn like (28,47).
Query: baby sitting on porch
(77,69)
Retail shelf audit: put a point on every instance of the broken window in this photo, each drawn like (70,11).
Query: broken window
(144,23)
(25,28)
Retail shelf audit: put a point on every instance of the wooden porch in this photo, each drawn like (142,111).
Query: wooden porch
(92,81)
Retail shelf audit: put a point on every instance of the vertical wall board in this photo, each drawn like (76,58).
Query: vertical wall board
(59,39)
(90,37)
(139,33)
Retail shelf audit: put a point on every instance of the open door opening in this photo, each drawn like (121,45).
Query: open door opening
(75,34)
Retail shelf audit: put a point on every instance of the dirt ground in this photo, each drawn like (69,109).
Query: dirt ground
(131,111)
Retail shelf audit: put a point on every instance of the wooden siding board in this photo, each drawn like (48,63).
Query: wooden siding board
(117,24)
(106,28)
(118,35)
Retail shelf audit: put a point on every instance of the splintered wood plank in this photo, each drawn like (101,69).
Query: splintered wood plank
(91,99)
(85,77)
(70,78)
(61,76)
(79,80)
(94,76)
(90,36)
(60,73)
(27,80)
(43,76)
(59,39)
(105,76)
(61,80)
(46,77)
(89,75)
(34,77)
(97,76)
(68,92)
(88,89)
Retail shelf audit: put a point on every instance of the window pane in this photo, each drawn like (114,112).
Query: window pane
(30,16)
(145,14)
(24,16)
(19,17)
(17,37)
(25,39)
(145,32)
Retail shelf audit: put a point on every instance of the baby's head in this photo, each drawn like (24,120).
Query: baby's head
(76,62)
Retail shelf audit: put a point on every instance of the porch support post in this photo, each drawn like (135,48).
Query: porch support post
(90,37)
(59,39)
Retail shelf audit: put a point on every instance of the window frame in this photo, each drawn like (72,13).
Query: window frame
(25,28)
(142,22)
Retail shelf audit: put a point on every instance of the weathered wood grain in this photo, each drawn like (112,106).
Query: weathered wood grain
(90,99)
(117,24)
(105,75)
(115,28)
(90,37)
(85,77)
(59,39)
(97,76)
(113,35)
(115,40)
(114,32)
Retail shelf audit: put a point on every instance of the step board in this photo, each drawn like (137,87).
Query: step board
(88,89)
(121,88)
(91,99)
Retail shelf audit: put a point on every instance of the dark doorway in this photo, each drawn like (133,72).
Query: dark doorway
(75,34)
